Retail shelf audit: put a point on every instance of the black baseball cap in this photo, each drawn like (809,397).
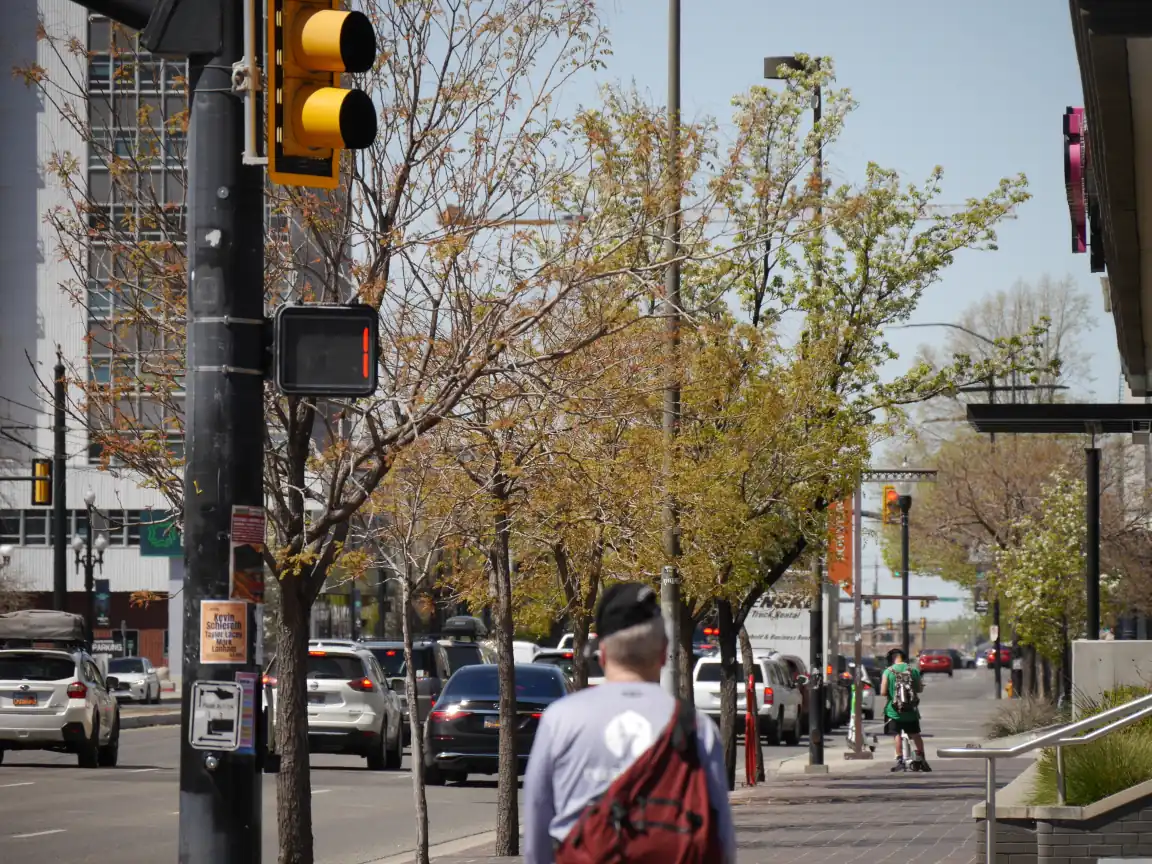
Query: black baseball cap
(625,605)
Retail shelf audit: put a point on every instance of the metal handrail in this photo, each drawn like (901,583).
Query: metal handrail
(1059,738)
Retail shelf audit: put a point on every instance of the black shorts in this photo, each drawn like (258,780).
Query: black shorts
(895,727)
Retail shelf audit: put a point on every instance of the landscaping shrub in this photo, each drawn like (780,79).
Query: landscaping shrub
(1017,716)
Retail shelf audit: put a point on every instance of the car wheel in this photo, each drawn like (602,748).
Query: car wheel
(88,754)
(1,756)
(456,777)
(156,698)
(395,756)
(770,731)
(870,714)
(949,673)
(433,776)
(109,754)
(792,736)
(378,755)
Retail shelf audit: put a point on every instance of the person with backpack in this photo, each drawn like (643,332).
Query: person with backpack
(623,772)
(902,685)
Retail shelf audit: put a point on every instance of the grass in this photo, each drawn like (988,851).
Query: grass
(1095,771)
(1017,716)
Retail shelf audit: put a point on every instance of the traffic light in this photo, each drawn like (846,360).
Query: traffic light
(875,604)
(888,624)
(890,508)
(326,350)
(923,604)
(42,483)
(311,118)
(923,623)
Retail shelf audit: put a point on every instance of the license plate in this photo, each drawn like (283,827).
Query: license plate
(491,722)
(23,700)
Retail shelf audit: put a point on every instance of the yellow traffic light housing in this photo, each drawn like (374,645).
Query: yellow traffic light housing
(41,482)
(311,118)
(890,506)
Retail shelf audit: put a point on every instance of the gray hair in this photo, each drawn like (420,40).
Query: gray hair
(639,646)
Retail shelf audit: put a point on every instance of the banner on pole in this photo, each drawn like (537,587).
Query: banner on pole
(840,544)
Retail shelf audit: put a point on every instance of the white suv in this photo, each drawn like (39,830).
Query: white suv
(57,700)
(351,708)
(778,701)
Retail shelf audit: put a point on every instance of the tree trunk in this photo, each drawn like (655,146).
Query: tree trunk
(507,809)
(293,786)
(728,670)
(683,654)
(749,665)
(418,789)
(580,624)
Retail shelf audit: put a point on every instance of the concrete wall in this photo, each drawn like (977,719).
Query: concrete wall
(1098,667)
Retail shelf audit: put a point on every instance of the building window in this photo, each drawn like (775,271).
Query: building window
(10,527)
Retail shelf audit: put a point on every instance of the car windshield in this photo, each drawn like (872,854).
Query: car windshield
(124,665)
(937,652)
(567,665)
(30,667)
(460,656)
(710,672)
(334,667)
(391,660)
(481,682)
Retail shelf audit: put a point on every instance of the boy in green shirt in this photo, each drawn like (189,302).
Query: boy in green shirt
(902,685)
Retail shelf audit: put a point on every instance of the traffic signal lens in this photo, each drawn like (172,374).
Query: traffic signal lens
(335,41)
(336,118)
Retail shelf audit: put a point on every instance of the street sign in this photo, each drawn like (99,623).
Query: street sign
(981,607)
(103,602)
(107,646)
(326,350)
(216,715)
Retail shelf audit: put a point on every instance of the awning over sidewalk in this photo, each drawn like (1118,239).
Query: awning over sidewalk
(1114,50)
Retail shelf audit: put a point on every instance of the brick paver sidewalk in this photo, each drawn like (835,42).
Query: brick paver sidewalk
(869,816)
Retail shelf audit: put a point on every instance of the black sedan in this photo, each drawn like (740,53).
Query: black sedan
(463,730)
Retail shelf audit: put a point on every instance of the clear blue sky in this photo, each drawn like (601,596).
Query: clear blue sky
(977,87)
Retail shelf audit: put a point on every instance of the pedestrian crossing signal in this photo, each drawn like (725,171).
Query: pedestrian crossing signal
(41,482)
(324,350)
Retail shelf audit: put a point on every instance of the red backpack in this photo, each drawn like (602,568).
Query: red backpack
(656,812)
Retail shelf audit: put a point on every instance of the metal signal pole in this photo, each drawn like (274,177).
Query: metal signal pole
(670,576)
(60,529)
(220,792)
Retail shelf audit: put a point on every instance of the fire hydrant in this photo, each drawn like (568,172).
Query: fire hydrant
(1008,689)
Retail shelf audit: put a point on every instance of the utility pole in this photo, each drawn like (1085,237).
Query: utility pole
(670,575)
(817,715)
(905,505)
(220,792)
(875,609)
(60,490)
(858,749)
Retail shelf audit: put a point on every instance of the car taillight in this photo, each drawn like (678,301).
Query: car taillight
(452,713)
(867,686)
(829,672)
(536,715)
(767,695)
(268,680)
(77,690)
(364,685)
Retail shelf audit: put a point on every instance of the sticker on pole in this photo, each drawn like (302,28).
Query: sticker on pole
(246,573)
(216,709)
(223,631)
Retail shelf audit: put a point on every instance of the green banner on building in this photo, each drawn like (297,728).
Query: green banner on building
(160,538)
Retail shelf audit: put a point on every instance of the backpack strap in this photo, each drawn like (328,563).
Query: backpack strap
(684,726)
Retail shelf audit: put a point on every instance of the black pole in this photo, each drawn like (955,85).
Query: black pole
(996,647)
(89,581)
(59,492)
(905,502)
(1092,558)
(816,713)
(220,792)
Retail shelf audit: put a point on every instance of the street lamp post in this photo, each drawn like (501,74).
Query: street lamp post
(84,548)
(905,502)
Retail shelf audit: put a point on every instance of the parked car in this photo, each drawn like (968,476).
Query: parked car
(432,670)
(798,669)
(351,706)
(935,660)
(463,729)
(957,658)
(461,654)
(778,698)
(1005,657)
(525,652)
(568,640)
(137,680)
(565,662)
(58,700)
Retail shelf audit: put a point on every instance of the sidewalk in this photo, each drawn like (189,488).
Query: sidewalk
(862,814)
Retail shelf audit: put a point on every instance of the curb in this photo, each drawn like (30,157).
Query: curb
(144,721)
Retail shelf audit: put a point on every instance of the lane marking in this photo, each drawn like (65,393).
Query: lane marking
(320,791)
(141,770)
(14,785)
(38,834)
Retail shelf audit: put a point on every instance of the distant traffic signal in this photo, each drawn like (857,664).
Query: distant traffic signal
(41,482)
(875,604)
(890,507)
(923,623)
(923,604)
(311,118)
(888,624)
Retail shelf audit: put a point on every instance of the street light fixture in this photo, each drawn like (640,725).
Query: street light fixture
(84,547)
(5,555)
